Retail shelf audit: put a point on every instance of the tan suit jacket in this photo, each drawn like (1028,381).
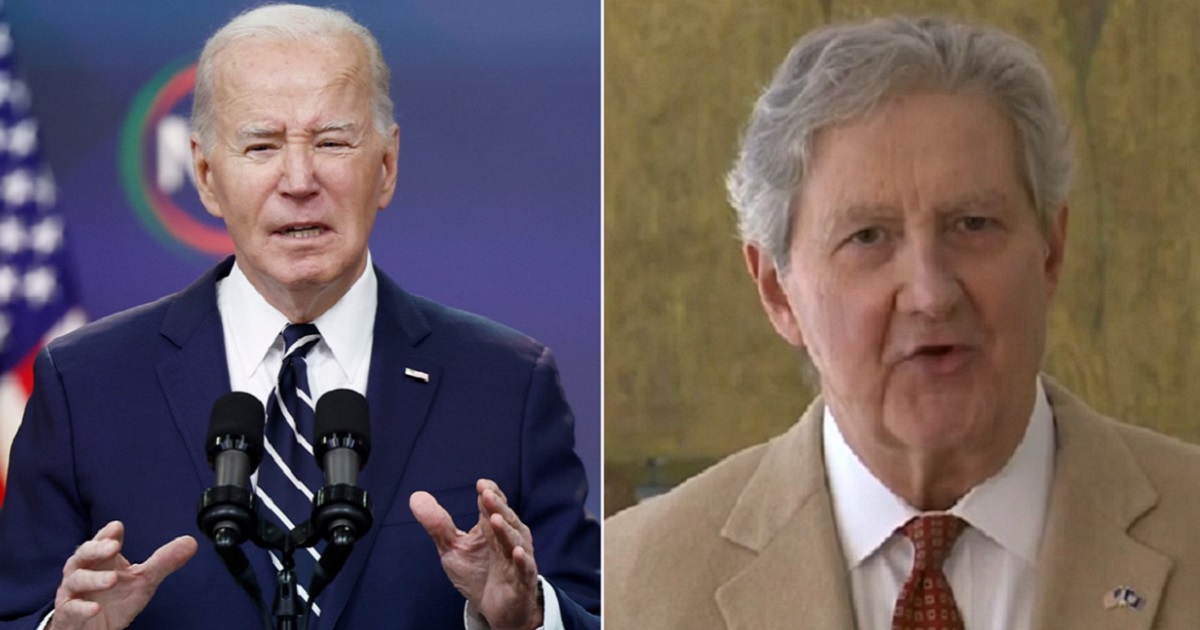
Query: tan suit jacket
(751,544)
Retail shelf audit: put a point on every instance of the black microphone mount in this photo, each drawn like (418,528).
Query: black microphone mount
(341,513)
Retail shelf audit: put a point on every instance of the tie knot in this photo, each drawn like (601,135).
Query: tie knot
(298,339)
(933,537)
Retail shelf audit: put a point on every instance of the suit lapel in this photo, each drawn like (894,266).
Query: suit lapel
(798,576)
(399,403)
(192,380)
(1099,492)
(194,377)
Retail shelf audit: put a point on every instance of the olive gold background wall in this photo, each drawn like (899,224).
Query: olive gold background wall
(693,370)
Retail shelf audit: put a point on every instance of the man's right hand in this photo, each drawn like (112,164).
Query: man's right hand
(101,590)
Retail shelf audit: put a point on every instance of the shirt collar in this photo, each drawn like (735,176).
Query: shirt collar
(1009,507)
(347,327)
(255,324)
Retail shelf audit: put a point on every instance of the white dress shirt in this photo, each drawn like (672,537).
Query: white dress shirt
(254,346)
(992,567)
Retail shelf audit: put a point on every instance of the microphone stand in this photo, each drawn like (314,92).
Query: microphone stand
(341,515)
(286,607)
(227,517)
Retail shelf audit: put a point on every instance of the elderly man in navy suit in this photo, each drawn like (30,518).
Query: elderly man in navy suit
(296,149)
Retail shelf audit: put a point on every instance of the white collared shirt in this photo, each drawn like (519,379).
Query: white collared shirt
(992,568)
(254,347)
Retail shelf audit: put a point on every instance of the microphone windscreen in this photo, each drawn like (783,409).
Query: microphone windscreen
(342,411)
(237,413)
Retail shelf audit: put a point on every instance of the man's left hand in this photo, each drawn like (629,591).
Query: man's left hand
(492,565)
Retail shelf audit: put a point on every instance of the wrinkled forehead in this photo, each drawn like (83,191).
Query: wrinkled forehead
(966,135)
(921,158)
(264,60)
(307,82)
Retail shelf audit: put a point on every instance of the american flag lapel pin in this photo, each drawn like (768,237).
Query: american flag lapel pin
(416,374)
(1123,597)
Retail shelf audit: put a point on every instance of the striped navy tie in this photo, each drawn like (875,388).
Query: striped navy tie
(289,474)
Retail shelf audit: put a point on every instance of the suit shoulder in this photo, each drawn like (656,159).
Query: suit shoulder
(110,337)
(1168,463)
(133,335)
(476,333)
(1157,453)
(705,496)
(1172,463)
(672,527)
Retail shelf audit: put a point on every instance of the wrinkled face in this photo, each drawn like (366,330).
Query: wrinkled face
(919,278)
(297,170)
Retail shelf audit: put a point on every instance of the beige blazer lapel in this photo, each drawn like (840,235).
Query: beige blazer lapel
(1099,492)
(798,578)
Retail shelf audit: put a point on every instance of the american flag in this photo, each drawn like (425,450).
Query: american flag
(39,298)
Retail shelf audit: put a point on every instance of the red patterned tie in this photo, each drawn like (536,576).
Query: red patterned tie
(926,601)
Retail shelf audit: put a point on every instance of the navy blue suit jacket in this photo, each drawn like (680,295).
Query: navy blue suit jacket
(115,429)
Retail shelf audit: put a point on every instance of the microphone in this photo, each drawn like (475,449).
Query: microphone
(342,426)
(234,447)
(235,438)
(342,423)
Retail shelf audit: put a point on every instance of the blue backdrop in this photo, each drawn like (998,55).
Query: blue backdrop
(497,208)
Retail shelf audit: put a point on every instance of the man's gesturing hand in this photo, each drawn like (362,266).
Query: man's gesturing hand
(101,590)
(492,565)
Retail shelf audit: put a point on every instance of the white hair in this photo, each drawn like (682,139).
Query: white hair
(289,22)
(839,73)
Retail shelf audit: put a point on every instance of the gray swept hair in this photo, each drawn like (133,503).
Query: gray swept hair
(839,73)
(289,22)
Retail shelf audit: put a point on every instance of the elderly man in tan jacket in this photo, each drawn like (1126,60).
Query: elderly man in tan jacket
(901,192)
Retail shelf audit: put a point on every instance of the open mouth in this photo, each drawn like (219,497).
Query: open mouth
(942,359)
(301,231)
